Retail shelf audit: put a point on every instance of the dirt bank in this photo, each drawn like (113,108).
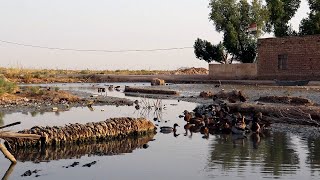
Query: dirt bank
(35,76)
(191,92)
(55,101)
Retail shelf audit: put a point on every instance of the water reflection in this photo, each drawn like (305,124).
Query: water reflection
(156,114)
(255,139)
(1,118)
(8,172)
(39,113)
(273,155)
(34,113)
(281,156)
(313,157)
(93,87)
(109,148)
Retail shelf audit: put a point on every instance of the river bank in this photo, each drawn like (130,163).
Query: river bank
(25,104)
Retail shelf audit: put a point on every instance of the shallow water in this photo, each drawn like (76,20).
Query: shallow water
(276,156)
(253,92)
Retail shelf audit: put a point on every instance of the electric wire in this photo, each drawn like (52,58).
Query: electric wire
(94,50)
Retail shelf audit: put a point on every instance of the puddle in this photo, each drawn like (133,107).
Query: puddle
(162,156)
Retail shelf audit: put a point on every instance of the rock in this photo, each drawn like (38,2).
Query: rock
(206,94)
(157,82)
(231,96)
(72,165)
(90,164)
(286,100)
(36,171)
(192,70)
(136,102)
(27,173)
(145,146)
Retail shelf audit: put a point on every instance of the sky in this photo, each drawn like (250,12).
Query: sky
(107,25)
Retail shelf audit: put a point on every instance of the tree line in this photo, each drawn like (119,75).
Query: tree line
(242,22)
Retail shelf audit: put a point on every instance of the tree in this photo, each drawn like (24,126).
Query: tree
(232,18)
(281,12)
(311,24)
(208,52)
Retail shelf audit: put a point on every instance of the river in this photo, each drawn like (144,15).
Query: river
(278,155)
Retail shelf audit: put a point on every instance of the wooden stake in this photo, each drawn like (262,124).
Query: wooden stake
(8,134)
(8,172)
(12,124)
(7,154)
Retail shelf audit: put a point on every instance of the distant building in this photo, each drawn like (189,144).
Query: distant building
(289,58)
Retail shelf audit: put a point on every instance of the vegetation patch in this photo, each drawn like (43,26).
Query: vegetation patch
(35,76)
(6,86)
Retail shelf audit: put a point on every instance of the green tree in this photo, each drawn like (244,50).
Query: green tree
(232,18)
(311,24)
(208,52)
(281,12)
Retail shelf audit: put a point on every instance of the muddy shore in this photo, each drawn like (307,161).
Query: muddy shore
(29,105)
(190,93)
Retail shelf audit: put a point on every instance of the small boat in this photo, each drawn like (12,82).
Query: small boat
(292,83)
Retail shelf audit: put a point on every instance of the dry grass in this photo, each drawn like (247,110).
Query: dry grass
(42,73)
(50,75)
(22,75)
(38,94)
(6,86)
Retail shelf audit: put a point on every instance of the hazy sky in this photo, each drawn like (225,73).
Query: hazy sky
(106,25)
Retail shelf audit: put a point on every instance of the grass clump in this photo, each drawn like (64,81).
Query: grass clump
(6,86)
(35,90)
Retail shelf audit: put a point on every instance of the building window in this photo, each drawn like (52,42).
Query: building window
(282,61)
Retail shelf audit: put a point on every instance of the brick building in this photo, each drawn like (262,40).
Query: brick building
(289,58)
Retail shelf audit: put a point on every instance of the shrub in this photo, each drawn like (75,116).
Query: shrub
(35,90)
(36,75)
(84,71)
(6,86)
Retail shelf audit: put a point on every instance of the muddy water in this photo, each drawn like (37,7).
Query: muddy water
(276,156)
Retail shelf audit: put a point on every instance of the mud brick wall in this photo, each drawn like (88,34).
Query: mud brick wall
(233,71)
(303,58)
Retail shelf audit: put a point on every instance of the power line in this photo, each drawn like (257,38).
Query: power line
(95,50)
